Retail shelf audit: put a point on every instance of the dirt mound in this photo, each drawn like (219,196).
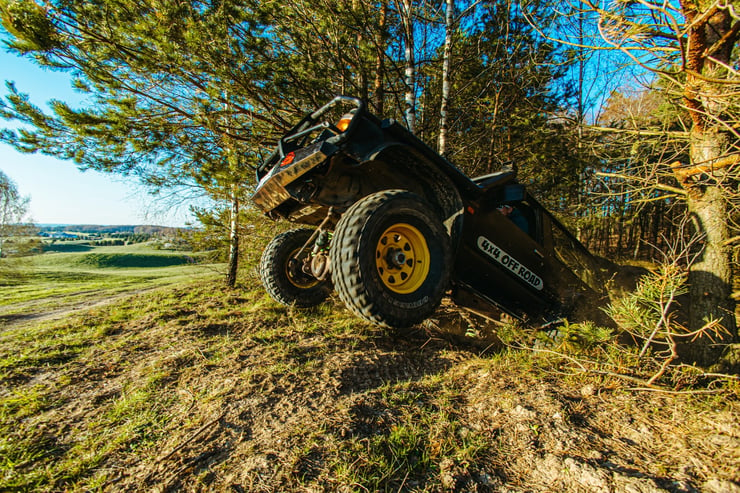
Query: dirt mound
(204,389)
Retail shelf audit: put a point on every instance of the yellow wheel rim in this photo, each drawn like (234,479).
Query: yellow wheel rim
(299,279)
(402,258)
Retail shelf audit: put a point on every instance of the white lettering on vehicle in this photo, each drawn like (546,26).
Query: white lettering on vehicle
(503,258)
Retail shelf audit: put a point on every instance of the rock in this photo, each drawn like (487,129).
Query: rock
(486,479)
(587,476)
(588,390)
(523,413)
(631,484)
(720,486)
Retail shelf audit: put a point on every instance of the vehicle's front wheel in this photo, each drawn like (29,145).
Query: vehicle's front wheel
(390,258)
(283,275)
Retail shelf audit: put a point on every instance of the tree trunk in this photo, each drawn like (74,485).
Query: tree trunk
(233,240)
(410,71)
(656,217)
(620,207)
(379,92)
(359,41)
(449,16)
(638,242)
(710,276)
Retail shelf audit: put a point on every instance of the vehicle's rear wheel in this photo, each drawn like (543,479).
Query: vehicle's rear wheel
(390,258)
(283,275)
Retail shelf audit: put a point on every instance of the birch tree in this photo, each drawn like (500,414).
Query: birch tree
(446,56)
(406,14)
(13,210)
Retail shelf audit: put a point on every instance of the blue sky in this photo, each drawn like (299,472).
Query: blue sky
(59,192)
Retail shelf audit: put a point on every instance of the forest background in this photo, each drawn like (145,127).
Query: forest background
(622,117)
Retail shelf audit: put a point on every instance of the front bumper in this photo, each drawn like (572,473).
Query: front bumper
(271,191)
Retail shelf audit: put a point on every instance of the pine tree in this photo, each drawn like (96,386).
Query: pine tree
(179,92)
(691,49)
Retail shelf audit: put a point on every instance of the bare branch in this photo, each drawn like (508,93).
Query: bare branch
(658,186)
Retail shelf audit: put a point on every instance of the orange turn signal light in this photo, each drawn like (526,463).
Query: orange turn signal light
(288,159)
(344,123)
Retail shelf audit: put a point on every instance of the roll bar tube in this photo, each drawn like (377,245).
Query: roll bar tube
(307,125)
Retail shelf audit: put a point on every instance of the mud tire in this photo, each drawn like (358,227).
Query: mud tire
(355,269)
(299,290)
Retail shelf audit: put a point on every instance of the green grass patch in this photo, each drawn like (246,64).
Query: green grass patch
(56,436)
(50,281)
(417,439)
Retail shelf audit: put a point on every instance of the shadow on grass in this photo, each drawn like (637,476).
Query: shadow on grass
(132,260)
(67,248)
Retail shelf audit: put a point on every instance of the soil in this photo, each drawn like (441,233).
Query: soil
(259,419)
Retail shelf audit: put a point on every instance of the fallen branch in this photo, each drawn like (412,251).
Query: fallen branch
(644,385)
(182,444)
(191,438)
(676,392)
(581,364)
(734,239)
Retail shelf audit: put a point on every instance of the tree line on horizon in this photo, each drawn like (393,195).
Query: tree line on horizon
(621,118)
(112,229)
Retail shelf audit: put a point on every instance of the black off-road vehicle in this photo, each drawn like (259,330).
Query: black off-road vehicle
(396,226)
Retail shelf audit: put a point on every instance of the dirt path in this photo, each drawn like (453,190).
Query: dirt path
(27,312)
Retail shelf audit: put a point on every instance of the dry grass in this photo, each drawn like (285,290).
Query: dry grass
(200,388)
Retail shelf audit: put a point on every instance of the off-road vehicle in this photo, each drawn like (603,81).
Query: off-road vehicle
(395,226)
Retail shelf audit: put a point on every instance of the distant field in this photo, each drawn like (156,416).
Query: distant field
(78,273)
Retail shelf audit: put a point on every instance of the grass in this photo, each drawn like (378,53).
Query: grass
(44,282)
(422,438)
(198,387)
(129,418)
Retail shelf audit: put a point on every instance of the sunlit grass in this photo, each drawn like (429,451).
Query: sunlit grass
(100,346)
(102,399)
(45,282)
(415,443)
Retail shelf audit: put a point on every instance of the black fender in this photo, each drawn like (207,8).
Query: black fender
(404,167)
